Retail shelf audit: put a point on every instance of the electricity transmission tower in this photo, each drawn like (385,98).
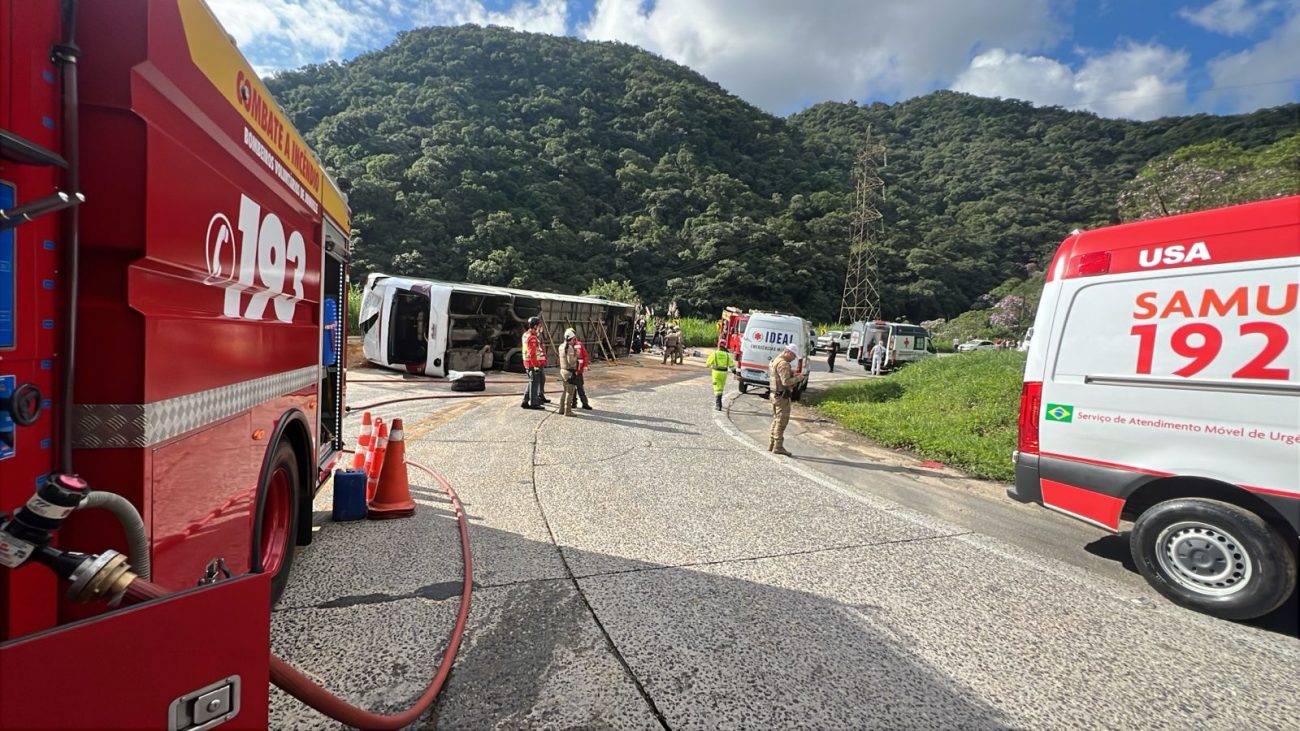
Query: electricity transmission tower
(861,299)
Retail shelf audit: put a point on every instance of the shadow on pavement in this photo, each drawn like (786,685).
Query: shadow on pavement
(707,649)
(637,421)
(878,467)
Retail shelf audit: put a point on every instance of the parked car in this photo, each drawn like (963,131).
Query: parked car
(824,341)
(971,346)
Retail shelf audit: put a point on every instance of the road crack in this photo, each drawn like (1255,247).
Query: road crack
(573,579)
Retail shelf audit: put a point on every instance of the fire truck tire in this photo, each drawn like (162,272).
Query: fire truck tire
(1213,557)
(277,518)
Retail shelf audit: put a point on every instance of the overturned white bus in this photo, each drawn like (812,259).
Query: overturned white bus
(430,327)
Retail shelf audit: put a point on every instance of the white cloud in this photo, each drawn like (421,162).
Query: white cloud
(1229,17)
(1265,75)
(780,54)
(541,16)
(1134,81)
(279,34)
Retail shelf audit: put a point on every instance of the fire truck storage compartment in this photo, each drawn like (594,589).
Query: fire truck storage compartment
(409,328)
(334,283)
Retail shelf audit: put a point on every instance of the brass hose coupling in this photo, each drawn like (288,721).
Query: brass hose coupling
(102,576)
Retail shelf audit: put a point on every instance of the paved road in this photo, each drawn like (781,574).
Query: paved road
(646,565)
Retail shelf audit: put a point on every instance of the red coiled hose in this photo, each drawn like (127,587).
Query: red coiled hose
(293,682)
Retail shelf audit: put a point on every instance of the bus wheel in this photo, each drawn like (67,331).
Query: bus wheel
(1213,557)
(276,528)
(744,387)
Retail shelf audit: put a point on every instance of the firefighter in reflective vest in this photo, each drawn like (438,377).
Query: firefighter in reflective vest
(584,360)
(534,364)
(720,361)
(782,383)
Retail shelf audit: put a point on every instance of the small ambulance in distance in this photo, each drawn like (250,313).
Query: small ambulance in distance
(1163,387)
(765,335)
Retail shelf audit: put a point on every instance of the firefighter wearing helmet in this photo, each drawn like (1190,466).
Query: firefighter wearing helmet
(534,364)
(569,362)
(782,382)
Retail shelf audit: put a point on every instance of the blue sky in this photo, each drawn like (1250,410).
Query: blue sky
(1137,59)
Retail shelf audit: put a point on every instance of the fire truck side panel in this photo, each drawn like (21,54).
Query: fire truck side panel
(202,258)
(195,520)
(29,312)
(138,660)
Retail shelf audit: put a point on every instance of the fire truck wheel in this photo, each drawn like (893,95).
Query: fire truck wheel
(278,518)
(1213,557)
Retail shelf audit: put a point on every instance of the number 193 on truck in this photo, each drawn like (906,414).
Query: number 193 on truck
(1163,387)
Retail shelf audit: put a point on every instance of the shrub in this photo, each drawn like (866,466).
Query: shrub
(959,410)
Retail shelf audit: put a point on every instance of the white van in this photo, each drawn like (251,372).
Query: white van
(766,335)
(1163,387)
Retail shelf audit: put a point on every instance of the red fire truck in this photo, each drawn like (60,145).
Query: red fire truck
(730,327)
(173,340)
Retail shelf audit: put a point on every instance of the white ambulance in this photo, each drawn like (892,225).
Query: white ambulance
(1163,387)
(765,336)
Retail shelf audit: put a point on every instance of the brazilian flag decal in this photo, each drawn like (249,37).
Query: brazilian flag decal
(1060,412)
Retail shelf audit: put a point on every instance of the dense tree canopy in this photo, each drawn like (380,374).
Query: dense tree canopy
(494,156)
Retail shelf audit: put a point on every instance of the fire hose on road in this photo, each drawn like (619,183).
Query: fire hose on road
(298,685)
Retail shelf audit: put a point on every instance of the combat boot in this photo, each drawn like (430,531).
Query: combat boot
(779,448)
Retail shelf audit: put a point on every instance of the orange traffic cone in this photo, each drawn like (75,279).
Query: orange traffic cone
(375,459)
(393,499)
(365,440)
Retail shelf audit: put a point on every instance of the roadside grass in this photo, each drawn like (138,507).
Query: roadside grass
(698,332)
(354,310)
(961,410)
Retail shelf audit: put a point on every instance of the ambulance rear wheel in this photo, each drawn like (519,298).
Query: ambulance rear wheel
(1214,557)
(277,519)
(744,387)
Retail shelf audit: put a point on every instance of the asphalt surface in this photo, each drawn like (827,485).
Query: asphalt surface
(648,565)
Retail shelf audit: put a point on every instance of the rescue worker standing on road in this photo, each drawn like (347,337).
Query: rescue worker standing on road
(782,383)
(534,363)
(584,360)
(877,358)
(720,361)
(568,370)
(834,351)
(679,344)
(670,347)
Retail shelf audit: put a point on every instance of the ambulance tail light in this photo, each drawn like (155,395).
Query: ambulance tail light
(1031,402)
(1090,264)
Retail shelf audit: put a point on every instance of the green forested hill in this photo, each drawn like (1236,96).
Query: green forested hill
(490,155)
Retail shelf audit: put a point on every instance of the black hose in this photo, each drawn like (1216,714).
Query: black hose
(65,54)
(366,407)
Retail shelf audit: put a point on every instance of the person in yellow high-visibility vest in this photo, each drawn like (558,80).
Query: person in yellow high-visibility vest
(721,362)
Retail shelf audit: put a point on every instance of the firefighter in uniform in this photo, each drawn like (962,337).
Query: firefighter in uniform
(534,363)
(568,371)
(680,350)
(584,360)
(782,382)
(672,341)
(720,361)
